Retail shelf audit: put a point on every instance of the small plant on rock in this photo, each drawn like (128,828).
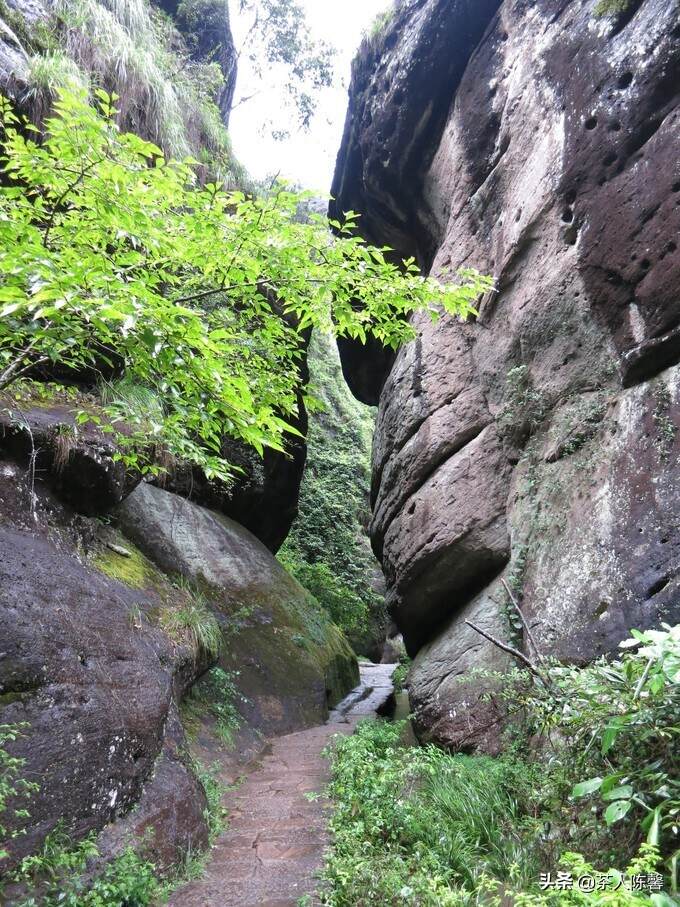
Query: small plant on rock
(12,786)
(194,621)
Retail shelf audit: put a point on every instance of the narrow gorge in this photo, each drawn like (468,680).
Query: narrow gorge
(227,548)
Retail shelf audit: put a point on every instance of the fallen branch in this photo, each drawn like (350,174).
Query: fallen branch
(506,648)
(530,635)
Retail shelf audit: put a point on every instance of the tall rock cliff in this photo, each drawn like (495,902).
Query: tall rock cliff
(537,141)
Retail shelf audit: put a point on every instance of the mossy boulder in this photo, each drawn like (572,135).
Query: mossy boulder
(293,663)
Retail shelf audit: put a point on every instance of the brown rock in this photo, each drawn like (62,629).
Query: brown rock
(448,538)
(554,168)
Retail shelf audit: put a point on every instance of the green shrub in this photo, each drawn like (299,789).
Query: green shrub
(172,249)
(418,826)
(611,7)
(618,754)
(401,673)
(57,876)
(421,827)
(328,550)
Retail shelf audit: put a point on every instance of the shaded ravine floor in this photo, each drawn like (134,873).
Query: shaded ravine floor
(274,845)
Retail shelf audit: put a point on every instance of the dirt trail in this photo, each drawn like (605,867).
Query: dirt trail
(274,845)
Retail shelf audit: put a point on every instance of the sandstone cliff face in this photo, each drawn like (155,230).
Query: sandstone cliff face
(539,443)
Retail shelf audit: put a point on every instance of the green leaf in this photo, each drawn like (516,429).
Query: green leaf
(654,827)
(616,811)
(610,781)
(623,792)
(586,787)
(662,899)
(609,738)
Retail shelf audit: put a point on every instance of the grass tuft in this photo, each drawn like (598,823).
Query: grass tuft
(194,620)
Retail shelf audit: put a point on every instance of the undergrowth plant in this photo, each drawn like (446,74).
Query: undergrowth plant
(595,799)
(14,788)
(417,826)
(327,549)
(109,252)
(216,695)
(193,620)
(58,876)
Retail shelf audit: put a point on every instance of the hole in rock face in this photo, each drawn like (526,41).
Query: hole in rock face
(411,508)
(645,264)
(624,80)
(591,123)
(518,215)
(567,215)
(671,247)
(675,187)
(614,126)
(571,235)
(570,197)
(658,586)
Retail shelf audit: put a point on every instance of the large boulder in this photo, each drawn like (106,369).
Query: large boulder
(293,663)
(93,668)
(537,444)
(90,685)
(78,461)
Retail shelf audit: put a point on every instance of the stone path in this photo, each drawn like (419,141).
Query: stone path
(274,845)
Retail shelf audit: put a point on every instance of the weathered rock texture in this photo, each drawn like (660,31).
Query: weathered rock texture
(292,661)
(538,143)
(93,674)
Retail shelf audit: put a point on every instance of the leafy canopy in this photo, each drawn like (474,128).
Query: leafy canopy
(111,255)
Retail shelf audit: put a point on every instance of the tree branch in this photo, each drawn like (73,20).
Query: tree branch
(520,656)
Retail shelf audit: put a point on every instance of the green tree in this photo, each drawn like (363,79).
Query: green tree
(109,253)
(277,35)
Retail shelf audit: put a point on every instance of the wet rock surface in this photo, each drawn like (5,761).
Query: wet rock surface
(292,661)
(539,443)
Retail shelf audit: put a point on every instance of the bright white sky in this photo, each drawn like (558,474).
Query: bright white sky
(306,158)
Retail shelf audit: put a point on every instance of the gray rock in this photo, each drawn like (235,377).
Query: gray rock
(293,663)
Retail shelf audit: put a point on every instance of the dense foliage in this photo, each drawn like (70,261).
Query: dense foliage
(57,876)
(596,798)
(615,730)
(113,257)
(328,549)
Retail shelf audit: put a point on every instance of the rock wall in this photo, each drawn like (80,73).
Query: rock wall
(538,443)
